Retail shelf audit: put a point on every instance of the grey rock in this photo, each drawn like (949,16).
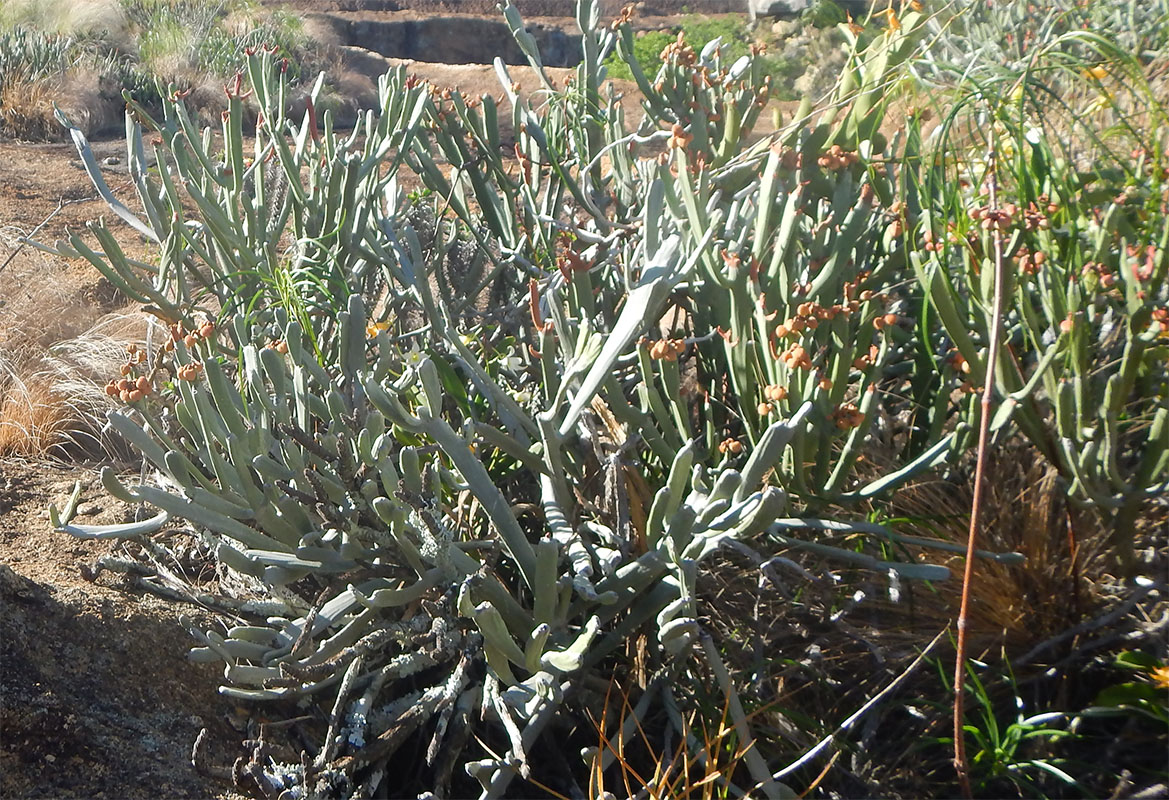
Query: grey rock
(459,40)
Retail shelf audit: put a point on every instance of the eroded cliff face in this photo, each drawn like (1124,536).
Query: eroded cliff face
(461,39)
(473,31)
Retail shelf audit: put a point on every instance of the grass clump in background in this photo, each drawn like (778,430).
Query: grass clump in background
(802,56)
(84,55)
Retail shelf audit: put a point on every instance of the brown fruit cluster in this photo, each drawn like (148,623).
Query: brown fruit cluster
(730,446)
(130,391)
(808,317)
(681,52)
(836,158)
(848,416)
(774,392)
(796,357)
(1106,276)
(128,388)
(863,362)
(189,372)
(679,138)
(1161,317)
(179,333)
(1036,218)
(624,18)
(666,349)
(996,218)
(1029,263)
(1143,260)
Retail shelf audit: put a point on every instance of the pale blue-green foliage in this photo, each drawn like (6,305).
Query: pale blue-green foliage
(360,424)
(1087,260)
(972,36)
(28,55)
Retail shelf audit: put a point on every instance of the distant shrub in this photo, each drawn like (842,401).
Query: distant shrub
(808,52)
(647,50)
(137,46)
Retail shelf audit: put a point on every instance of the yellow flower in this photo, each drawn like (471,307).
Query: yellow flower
(1097,72)
(374,328)
(1160,676)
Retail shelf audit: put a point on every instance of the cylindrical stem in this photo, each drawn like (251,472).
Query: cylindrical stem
(992,355)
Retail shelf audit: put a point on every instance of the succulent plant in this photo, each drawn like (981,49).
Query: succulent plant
(444,507)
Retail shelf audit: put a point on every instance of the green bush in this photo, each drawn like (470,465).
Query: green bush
(647,50)
(366,393)
(469,447)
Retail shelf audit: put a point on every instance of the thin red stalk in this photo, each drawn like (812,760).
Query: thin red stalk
(992,355)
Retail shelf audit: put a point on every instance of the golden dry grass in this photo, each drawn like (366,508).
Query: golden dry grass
(34,418)
(51,402)
(55,355)
(26,109)
(1026,511)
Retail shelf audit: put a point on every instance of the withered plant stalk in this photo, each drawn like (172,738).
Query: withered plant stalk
(988,388)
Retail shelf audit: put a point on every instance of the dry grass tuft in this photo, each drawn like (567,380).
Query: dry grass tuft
(1013,606)
(34,418)
(52,402)
(26,109)
(73,18)
(26,106)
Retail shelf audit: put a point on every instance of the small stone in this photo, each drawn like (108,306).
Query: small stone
(88,509)
(50,758)
(111,161)
(784,27)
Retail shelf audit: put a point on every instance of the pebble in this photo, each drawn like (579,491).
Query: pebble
(784,27)
(111,161)
(88,509)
